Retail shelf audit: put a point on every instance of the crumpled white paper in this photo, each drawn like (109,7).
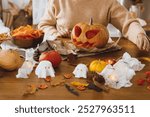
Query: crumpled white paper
(120,74)
(45,69)
(28,64)
(80,71)
(133,63)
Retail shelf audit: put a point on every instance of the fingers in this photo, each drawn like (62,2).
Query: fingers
(63,32)
(143,42)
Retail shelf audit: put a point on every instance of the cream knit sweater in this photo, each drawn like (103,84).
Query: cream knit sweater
(64,14)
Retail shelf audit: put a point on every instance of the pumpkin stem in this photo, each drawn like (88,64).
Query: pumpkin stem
(91,21)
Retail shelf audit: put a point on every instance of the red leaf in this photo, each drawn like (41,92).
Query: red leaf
(91,33)
(77,31)
(141,82)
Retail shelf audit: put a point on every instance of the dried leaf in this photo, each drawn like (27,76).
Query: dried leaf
(95,88)
(42,86)
(31,89)
(57,81)
(148,87)
(81,88)
(71,90)
(100,85)
(145,58)
(76,84)
(68,75)
(48,79)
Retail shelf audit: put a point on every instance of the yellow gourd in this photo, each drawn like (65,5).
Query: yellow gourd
(10,60)
(97,66)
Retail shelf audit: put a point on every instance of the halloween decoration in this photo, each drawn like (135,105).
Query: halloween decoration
(43,86)
(10,60)
(120,74)
(74,83)
(44,69)
(71,90)
(89,36)
(141,82)
(28,64)
(57,81)
(80,71)
(68,75)
(52,56)
(31,89)
(92,86)
(97,65)
(25,69)
(48,79)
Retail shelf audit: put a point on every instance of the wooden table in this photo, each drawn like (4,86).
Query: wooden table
(12,88)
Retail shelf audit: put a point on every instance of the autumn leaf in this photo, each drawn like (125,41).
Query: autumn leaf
(31,89)
(43,86)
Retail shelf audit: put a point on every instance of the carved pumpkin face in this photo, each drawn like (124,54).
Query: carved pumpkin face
(89,36)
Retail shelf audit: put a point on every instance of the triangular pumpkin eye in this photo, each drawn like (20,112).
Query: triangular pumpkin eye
(78,31)
(91,33)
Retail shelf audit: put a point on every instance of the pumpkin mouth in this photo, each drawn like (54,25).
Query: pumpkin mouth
(82,44)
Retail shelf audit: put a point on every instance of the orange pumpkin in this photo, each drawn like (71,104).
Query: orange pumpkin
(97,66)
(89,36)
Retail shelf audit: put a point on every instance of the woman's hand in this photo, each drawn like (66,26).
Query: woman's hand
(143,42)
(63,32)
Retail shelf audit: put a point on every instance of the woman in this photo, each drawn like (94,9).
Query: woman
(3,29)
(61,15)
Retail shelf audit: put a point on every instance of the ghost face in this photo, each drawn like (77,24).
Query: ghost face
(89,36)
(80,71)
(45,69)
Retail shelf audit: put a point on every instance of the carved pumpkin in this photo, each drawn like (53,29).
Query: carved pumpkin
(89,36)
(97,66)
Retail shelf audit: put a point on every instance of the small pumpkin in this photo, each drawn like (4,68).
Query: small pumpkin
(10,60)
(97,66)
(89,36)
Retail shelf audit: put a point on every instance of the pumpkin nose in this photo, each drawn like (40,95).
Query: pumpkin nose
(78,31)
(91,33)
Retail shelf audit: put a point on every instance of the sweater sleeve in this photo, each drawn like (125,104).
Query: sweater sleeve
(125,22)
(48,21)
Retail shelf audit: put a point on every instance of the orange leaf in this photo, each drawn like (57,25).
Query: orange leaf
(31,89)
(42,86)
(68,75)
(48,79)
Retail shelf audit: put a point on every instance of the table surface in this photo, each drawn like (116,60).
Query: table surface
(12,88)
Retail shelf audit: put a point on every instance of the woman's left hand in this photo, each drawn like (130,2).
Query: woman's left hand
(63,32)
(143,42)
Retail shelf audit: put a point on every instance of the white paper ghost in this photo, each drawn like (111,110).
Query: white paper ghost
(120,74)
(45,69)
(29,53)
(25,69)
(80,71)
(28,65)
